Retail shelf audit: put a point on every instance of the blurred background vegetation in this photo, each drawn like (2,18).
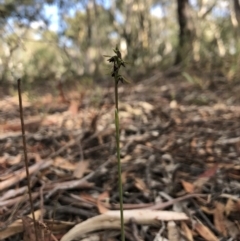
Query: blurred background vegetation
(49,40)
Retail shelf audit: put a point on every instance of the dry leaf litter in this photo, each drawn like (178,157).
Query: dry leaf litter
(180,147)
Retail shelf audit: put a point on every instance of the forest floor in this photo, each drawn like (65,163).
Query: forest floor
(178,139)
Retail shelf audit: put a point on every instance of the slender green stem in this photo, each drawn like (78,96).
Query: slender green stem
(119,175)
(119,160)
(116,93)
(117,63)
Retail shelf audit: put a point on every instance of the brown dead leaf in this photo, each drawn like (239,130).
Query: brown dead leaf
(140,185)
(36,157)
(29,233)
(29,230)
(207,210)
(46,99)
(35,148)
(146,106)
(193,143)
(124,177)
(126,159)
(199,183)
(218,217)
(210,172)
(88,198)
(173,233)
(81,169)
(63,163)
(104,197)
(49,121)
(14,228)
(17,226)
(188,187)
(73,107)
(234,172)
(13,160)
(205,232)
(31,125)
(169,143)
(187,231)
(4,158)
(230,206)
(237,207)
(209,145)
(232,229)
(21,174)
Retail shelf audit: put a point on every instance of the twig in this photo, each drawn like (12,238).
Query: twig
(10,202)
(161,205)
(204,217)
(75,183)
(21,174)
(25,157)
(135,230)
(70,210)
(159,234)
(111,220)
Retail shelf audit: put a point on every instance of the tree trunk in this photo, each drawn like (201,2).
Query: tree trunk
(186,31)
(237,10)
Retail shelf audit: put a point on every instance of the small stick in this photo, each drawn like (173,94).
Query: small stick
(25,157)
(161,205)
